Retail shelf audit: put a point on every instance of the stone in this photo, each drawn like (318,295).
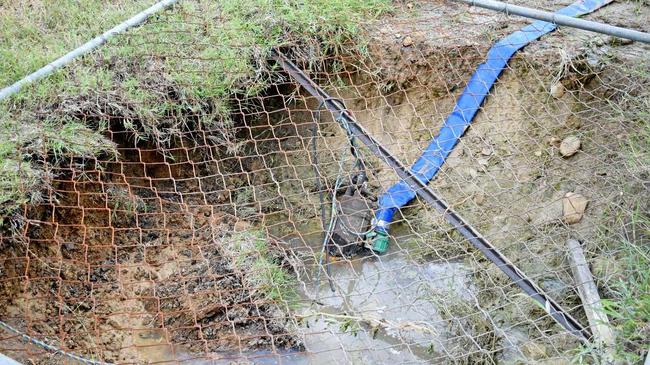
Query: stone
(615,41)
(573,122)
(538,153)
(554,362)
(408,41)
(486,151)
(557,90)
(605,267)
(569,146)
(554,141)
(533,350)
(573,207)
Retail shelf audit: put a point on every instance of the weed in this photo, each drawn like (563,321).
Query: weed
(476,339)
(350,325)
(628,306)
(27,147)
(34,33)
(251,253)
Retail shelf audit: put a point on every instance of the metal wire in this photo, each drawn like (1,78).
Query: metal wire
(51,348)
(188,231)
(85,48)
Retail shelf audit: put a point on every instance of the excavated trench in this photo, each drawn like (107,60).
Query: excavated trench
(155,256)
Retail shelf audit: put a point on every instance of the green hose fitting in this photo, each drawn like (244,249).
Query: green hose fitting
(378,240)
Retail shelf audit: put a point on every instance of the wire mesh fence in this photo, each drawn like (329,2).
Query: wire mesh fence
(191,227)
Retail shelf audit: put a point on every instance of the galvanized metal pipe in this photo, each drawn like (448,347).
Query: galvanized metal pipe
(86,47)
(560,19)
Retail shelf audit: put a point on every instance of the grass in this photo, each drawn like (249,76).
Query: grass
(35,32)
(625,289)
(625,240)
(26,149)
(252,255)
(629,306)
(186,68)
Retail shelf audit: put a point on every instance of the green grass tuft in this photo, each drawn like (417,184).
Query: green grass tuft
(263,269)
(177,72)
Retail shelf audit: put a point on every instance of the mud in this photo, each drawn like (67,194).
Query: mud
(117,257)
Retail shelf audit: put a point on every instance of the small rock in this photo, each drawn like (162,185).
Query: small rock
(605,267)
(114,323)
(573,122)
(472,172)
(557,90)
(554,362)
(538,153)
(482,161)
(556,288)
(408,41)
(409,6)
(398,35)
(615,41)
(486,151)
(569,146)
(573,207)
(479,198)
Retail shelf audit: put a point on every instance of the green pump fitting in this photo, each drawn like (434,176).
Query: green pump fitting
(378,241)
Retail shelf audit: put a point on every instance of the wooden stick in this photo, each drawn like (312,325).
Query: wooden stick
(603,335)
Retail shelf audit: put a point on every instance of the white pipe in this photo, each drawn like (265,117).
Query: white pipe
(86,47)
(560,19)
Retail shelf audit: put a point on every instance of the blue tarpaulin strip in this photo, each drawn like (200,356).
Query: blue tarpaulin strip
(467,105)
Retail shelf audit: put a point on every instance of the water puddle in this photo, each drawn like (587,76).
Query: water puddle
(381,311)
(154,348)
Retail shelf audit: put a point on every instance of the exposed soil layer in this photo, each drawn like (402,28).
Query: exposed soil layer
(118,254)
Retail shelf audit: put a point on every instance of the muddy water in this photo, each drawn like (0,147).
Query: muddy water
(153,348)
(381,309)
(380,312)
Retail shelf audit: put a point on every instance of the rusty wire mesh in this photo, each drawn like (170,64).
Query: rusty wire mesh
(199,241)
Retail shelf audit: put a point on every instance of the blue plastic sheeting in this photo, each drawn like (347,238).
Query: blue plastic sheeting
(468,104)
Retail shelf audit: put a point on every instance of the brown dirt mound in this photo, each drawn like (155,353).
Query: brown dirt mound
(111,257)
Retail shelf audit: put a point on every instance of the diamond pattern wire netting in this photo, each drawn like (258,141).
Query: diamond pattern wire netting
(198,240)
